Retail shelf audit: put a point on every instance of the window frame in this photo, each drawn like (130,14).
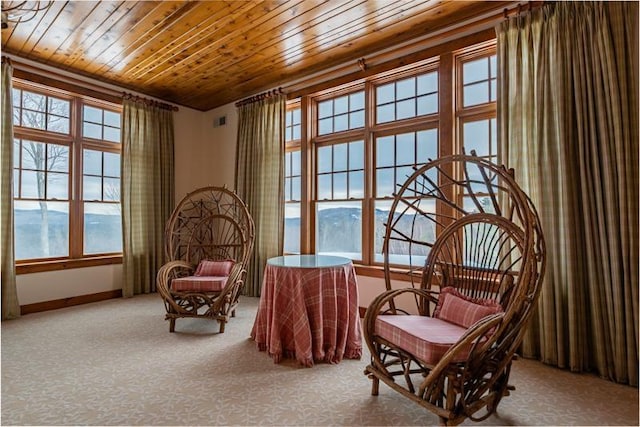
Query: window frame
(76,144)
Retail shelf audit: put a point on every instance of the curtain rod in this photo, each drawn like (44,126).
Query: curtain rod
(260,97)
(528,7)
(147,101)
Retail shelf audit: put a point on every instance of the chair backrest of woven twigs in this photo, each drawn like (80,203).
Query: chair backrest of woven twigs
(209,223)
(463,221)
(479,255)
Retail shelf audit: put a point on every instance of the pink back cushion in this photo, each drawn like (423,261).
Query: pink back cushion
(214,268)
(461,310)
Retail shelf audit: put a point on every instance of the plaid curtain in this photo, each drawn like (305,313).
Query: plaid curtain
(260,180)
(147,191)
(10,305)
(568,117)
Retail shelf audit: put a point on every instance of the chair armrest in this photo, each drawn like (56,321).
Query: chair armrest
(167,272)
(228,297)
(236,275)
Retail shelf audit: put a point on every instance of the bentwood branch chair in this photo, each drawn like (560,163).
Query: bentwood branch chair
(475,253)
(208,241)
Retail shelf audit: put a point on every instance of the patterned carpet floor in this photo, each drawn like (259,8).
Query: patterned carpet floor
(115,363)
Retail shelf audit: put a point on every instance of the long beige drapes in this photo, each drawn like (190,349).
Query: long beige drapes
(147,191)
(568,117)
(10,305)
(260,179)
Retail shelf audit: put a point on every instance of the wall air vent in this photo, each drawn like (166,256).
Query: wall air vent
(219,121)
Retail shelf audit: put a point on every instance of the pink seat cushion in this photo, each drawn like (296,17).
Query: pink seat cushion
(199,284)
(425,337)
(457,308)
(214,268)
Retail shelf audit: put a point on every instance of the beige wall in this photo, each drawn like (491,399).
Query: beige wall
(205,154)
(188,135)
(220,144)
(371,287)
(55,285)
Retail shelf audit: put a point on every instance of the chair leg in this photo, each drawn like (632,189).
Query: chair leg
(172,324)
(222,323)
(375,386)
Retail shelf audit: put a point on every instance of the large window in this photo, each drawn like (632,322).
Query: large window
(365,139)
(66,175)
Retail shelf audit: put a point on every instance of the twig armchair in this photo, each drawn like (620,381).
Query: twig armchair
(208,242)
(475,250)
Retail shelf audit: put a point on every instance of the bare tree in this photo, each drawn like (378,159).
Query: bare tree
(112,193)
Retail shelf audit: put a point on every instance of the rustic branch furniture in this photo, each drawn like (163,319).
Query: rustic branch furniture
(208,242)
(475,250)
(309,310)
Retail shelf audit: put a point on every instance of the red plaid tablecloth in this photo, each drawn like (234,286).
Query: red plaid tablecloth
(310,314)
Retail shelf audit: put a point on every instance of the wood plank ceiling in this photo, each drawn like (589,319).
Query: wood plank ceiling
(203,54)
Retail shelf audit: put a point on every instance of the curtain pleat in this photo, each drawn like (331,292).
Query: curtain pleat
(10,305)
(568,117)
(147,192)
(260,180)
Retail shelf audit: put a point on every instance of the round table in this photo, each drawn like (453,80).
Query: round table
(309,309)
(308,261)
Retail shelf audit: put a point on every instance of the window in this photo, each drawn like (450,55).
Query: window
(101,202)
(98,123)
(41,206)
(339,194)
(292,180)
(341,113)
(477,110)
(66,175)
(396,157)
(479,77)
(292,197)
(407,98)
(40,111)
(366,138)
(293,125)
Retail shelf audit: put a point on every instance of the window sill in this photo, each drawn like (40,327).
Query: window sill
(66,264)
(378,272)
